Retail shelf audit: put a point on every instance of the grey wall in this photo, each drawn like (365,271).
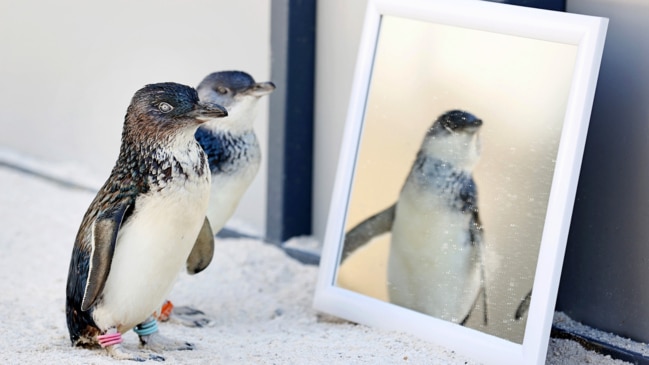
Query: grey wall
(607,260)
(338,35)
(69,68)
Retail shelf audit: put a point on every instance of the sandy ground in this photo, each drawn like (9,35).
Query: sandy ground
(260,299)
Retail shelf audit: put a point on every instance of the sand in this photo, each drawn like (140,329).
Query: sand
(259,299)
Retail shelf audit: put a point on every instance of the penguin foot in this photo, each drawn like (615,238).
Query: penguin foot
(159,343)
(187,316)
(155,357)
(190,317)
(120,353)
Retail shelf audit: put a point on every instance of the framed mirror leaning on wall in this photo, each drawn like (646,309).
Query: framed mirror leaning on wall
(458,171)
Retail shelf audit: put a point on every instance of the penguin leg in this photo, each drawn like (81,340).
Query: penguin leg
(112,342)
(187,316)
(150,338)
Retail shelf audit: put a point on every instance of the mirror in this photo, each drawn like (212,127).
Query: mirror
(458,172)
(518,87)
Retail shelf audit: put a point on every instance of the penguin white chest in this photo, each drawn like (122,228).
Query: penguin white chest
(152,247)
(228,187)
(432,266)
(227,191)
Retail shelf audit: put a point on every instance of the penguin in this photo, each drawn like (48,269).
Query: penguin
(436,258)
(230,143)
(234,157)
(144,222)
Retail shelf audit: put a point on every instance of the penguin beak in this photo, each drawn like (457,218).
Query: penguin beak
(261,88)
(474,125)
(206,111)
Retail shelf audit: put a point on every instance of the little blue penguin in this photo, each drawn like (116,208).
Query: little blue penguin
(141,227)
(435,263)
(234,156)
(230,143)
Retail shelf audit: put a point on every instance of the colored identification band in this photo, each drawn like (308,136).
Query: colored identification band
(147,328)
(109,339)
(165,311)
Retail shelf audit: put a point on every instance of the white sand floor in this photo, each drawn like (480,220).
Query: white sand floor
(260,299)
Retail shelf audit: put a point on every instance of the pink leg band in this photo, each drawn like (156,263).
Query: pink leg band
(109,339)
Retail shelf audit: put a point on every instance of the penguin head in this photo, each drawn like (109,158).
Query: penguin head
(455,121)
(238,92)
(454,138)
(167,107)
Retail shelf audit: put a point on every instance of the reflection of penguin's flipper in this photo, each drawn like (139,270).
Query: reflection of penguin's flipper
(481,293)
(475,230)
(483,289)
(366,230)
(524,306)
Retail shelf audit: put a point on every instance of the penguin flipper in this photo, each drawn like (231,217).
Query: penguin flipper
(482,292)
(485,318)
(366,230)
(103,239)
(476,236)
(476,240)
(523,306)
(203,250)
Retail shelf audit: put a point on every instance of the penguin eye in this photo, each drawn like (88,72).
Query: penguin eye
(221,90)
(165,107)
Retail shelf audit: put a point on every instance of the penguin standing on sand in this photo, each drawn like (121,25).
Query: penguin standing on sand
(141,228)
(230,143)
(234,156)
(435,264)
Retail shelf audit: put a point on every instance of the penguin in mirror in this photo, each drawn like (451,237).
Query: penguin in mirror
(436,258)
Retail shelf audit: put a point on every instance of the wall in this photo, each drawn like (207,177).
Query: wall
(69,68)
(339,25)
(605,268)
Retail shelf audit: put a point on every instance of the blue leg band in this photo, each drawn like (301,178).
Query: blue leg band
(146,328)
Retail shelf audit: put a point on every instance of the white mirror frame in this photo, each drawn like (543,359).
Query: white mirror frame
(588,34)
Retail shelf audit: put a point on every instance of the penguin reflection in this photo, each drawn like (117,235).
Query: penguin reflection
(435,265)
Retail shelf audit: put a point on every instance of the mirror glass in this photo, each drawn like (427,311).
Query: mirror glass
(471,189)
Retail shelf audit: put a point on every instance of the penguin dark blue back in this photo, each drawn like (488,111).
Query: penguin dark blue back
(131,235)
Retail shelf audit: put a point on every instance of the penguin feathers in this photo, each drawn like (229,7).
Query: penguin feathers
(145,220)
(435,263)
(203,250)
(103,238)
(230,143)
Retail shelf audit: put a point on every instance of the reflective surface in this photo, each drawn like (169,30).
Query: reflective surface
(519,88)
